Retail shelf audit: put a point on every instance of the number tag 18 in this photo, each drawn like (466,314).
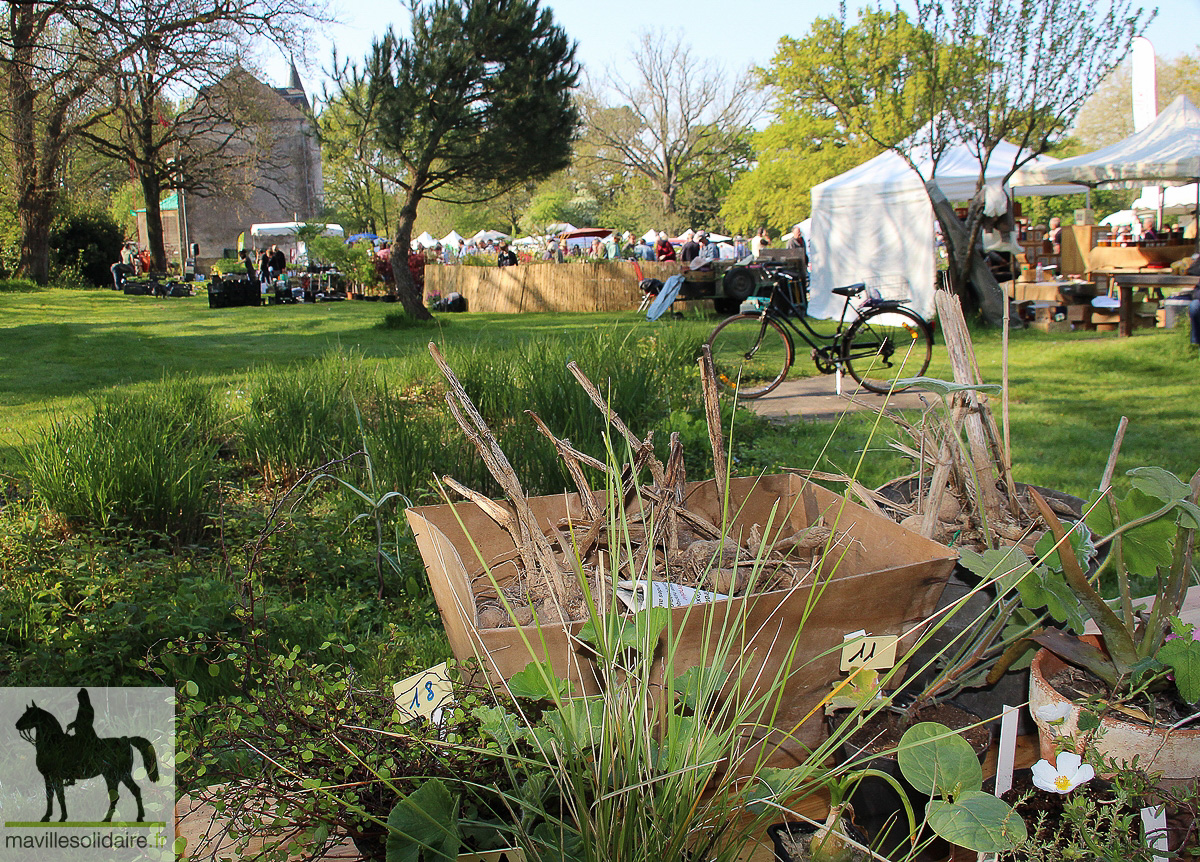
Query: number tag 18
(424,694)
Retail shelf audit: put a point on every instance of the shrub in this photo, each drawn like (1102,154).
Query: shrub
(88,243)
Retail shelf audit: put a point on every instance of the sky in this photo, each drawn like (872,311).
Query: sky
(728,33)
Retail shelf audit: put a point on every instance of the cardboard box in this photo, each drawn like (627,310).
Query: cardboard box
(1051,325)
(1079,314)
(888,581)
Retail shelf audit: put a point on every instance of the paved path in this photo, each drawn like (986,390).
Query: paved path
(817,398)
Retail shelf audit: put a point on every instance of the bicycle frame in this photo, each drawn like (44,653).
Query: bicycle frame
(829,346)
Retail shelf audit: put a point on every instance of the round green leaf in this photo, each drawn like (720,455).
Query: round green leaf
(937,761)
(977,821)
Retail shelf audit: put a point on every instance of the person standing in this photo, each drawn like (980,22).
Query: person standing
(796,242)
(663,250)
(505,256)
(690,250)
(761,240)
(276,262)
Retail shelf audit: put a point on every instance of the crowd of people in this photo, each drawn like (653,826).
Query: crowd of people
(557,248)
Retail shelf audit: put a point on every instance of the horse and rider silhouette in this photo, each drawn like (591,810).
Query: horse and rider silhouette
(64,758)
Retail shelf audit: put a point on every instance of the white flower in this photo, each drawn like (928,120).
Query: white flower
(1053,713)
(1068,773)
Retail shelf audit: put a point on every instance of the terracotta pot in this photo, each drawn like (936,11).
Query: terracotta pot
(1175,754)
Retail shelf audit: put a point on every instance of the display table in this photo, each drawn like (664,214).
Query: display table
(1135,257)
(1052,291)
(1128,280)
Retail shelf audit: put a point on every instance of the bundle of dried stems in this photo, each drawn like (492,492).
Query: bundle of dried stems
(628,531)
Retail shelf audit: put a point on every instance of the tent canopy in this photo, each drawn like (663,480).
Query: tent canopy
(874,224)
(489,235)
(1176,200)
(1166,151)
(285,229)
(452,237)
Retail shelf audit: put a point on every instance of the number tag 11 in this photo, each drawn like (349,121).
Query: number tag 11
(424,694)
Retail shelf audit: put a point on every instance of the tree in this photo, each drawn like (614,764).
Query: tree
(807,143)
(476,102)
(1107,116)
(73,67)
(1015,70)
(680,122)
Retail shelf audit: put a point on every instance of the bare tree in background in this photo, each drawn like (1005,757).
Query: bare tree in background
(677,120)
(71,66)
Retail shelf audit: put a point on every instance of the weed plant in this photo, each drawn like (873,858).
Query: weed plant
(145,462)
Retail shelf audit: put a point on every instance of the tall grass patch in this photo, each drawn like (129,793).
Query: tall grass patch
(144,461)
(301,416)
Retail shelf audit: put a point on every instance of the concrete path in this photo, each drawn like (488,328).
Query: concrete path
(817,398)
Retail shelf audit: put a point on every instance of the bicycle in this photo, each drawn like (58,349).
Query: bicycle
(753,352)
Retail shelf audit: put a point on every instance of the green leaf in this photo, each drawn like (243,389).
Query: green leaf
(1010,565)
(423,826)
(1043,588)
(945,388)
(697,686)
(1144,548)
(500,725)
(1088,720)
(1159,483)
(978,821)
(936,761)
(613,635)
(1182,655)
(577,722)
(538,682)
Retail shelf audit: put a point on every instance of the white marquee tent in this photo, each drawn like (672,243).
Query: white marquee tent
(875,224)
(453,237)
(425,240)
(1166,151)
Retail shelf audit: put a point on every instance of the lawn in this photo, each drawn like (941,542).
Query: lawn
(1068,391)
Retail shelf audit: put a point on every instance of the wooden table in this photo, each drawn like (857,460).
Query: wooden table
(1135,257)
(1024,291)
(1127,280)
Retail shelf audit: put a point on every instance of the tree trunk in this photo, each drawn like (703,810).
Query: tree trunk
(35,191)
(970,277)
(152,192)
(406,287)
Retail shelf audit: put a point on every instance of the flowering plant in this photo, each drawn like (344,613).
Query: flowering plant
(1068,772)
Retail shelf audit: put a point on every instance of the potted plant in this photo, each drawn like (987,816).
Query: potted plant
(1137,679)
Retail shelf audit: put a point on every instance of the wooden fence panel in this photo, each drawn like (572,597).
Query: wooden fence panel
(601,286)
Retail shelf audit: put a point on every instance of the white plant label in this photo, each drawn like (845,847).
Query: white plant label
(860,650)
(639,595)
(1007,754)
(424,694)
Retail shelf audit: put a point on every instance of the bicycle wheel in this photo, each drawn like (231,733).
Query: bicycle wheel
(751,354)
(885,345)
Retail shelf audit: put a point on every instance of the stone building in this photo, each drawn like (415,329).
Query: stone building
(257,160)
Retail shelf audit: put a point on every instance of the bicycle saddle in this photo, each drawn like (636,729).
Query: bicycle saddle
(850,289)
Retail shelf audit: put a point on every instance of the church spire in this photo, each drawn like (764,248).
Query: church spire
(294,80)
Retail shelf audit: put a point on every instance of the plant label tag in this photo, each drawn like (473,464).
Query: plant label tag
(1154,822)
(511,854)
(860,650)
(1007,753)
(423,694)
(639,595)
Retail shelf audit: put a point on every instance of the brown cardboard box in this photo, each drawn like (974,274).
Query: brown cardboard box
(887,581)
(1051,325)
(1079,314)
